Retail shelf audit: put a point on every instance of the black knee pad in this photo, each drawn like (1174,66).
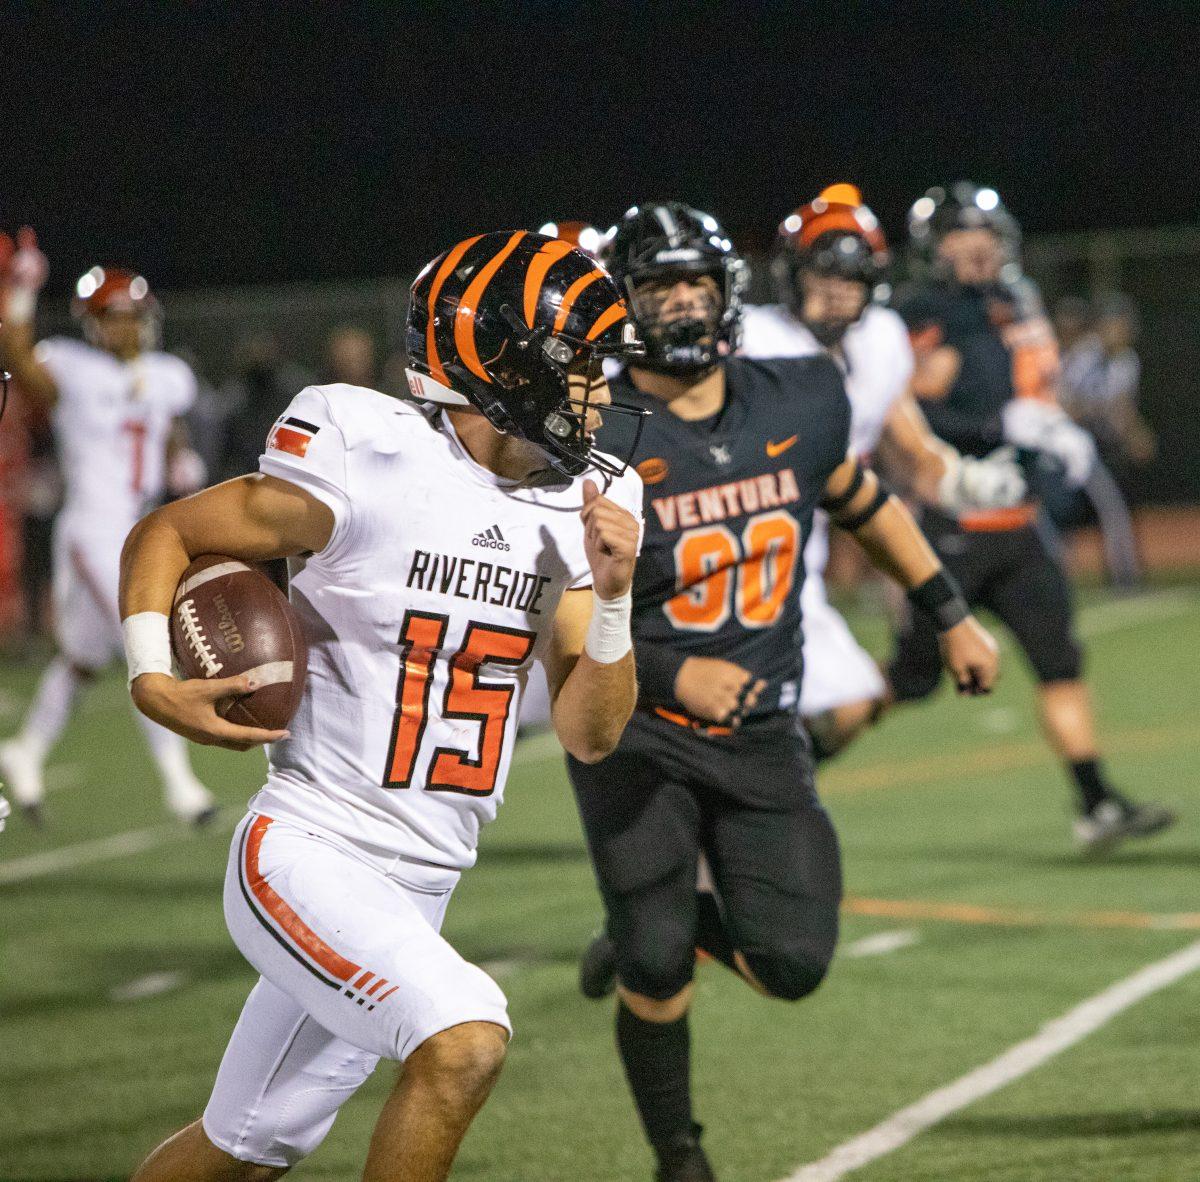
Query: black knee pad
(1060,662)
(787,976)
(657,972)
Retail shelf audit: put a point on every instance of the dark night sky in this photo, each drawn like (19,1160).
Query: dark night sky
(210,143)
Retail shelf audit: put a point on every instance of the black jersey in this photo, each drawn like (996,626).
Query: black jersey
(1007,348)
(728,507)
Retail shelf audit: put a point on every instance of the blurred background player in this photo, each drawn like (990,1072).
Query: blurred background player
(830,257)
(1100,383)
(987,372)
(713,764)
(115,401)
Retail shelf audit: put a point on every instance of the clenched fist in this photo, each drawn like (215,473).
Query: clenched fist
(970,656)
(610,540)
(716,690)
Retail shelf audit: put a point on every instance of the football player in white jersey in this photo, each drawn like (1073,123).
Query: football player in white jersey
(437,551)
(115,401)
(830,257)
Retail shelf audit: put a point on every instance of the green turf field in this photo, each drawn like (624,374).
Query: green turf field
(951,810)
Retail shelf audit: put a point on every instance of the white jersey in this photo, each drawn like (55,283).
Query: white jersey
(112,421)
(878,364)
(424,613)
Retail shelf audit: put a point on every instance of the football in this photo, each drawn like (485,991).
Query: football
(229,619)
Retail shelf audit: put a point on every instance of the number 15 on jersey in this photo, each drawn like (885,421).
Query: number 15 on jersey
(466,697)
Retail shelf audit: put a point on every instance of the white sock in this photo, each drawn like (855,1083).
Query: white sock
(183,792)
(51,708)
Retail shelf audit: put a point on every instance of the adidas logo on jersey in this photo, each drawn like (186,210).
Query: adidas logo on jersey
(492,538)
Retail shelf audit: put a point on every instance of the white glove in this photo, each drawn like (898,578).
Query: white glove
(186,472)
(1041,426)
(5,810)
(995,482)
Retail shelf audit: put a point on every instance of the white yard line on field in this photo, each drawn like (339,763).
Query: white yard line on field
(1053,1038)
(151,985)
(119,845)
(882,943)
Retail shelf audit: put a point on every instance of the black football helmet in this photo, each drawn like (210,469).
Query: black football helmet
(670,241)
(834,234)
(501,321)
(960,206)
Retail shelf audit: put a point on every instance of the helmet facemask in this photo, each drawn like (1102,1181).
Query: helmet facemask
(683,336)
(554,376)
(835,255)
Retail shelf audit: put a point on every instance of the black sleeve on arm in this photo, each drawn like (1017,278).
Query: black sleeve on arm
(657,666)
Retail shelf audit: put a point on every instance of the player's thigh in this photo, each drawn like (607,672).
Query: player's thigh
(778,873)
(643,832)
(86,618)
(352,946)
(1033,600)
(837,669)
(281,1082)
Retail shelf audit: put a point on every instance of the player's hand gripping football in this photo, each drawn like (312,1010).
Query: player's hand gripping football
(971,656)
(610,539)
(716,690)
(192,709)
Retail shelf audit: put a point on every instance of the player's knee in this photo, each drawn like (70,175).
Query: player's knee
(657,971)
(466,1058)
(1063,662)
(788,976)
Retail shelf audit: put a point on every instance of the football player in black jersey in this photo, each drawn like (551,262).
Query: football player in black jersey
(736,457)
(987,374)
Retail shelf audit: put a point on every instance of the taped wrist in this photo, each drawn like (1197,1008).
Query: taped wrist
(608,635)
(147,644)
(940,599)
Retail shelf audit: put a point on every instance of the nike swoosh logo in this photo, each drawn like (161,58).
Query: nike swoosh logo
(777,449)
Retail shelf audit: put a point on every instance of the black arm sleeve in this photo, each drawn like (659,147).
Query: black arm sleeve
(657,666)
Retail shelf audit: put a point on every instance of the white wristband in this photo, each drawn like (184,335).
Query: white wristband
(608,636)
(21,304)
(147,644)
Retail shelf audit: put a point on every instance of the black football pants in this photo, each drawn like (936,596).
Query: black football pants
(748,803)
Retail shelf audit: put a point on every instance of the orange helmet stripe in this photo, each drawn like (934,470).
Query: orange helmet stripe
(464,316)
(448,264)
(609,316)
(535,277)
(573,294)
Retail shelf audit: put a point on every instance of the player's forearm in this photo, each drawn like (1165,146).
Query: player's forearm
(17,355)
(593,707)
(253,518)
(895,544)
(910,452)
(153,560)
